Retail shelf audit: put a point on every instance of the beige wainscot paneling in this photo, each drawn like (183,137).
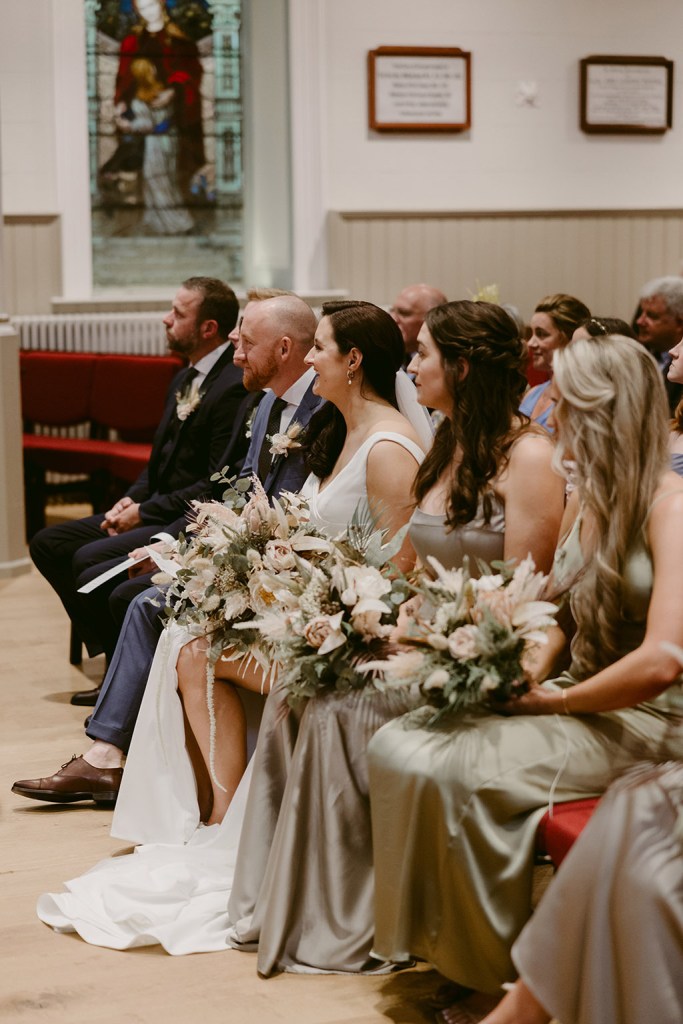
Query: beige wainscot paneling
(33,273)
(602,257)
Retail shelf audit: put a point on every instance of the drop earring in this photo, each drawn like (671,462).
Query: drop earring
(349,377)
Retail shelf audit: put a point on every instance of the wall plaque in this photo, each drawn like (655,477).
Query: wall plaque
(626,95)
(419,89)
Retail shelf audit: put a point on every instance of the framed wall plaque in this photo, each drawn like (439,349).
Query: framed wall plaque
(626,95)
(419,89)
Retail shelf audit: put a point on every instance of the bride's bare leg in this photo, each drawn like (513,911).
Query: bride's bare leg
(230,753)
(201,773)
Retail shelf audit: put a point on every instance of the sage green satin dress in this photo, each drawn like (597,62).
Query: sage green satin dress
(613,917)
(455,807)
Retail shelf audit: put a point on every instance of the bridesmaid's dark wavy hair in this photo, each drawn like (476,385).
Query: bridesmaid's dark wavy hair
(374,333)
(483,339)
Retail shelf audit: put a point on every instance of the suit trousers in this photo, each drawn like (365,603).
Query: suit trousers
(70,554)
(116,711)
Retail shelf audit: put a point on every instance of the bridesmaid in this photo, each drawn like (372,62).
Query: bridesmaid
(555,319)
(478,784)
(306,897)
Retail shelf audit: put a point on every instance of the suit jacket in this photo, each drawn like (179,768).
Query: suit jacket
(287,472)
(185,455)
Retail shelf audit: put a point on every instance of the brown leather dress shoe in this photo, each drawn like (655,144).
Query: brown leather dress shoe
(76,780)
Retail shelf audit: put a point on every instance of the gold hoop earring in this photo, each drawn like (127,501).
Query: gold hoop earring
(349,377)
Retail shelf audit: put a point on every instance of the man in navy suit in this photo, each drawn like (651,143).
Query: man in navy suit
(202,403)
(275,336)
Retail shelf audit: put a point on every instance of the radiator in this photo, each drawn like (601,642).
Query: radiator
(133,333)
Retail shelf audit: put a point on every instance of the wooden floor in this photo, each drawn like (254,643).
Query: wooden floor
(46,977)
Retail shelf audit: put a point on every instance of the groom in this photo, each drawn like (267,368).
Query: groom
(275,336)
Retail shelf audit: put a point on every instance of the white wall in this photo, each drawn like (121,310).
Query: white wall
(29,176)
(514,158)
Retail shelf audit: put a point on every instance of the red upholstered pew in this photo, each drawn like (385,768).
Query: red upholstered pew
(556,834)
(116,400)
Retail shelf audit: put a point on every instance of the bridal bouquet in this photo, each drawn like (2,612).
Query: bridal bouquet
(334,614)
(468,640)
(237,559)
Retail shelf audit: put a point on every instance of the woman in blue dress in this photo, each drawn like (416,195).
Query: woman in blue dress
(555,319)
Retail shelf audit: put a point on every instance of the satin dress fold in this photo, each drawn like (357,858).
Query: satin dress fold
(613,916)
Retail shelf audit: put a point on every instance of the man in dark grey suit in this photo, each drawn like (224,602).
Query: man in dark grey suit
(660,325)
(275,336)
(202,403)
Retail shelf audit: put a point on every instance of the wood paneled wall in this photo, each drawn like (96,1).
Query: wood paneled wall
(32,262)
(602,257)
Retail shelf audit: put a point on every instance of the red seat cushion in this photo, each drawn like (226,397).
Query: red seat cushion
(556,835)
(85,455)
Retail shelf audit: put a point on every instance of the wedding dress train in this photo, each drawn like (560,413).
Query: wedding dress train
(173,889)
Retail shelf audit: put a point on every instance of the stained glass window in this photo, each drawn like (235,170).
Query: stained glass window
(165,133)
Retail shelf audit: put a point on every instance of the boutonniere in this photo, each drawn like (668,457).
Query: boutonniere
(187,402)
(282,444)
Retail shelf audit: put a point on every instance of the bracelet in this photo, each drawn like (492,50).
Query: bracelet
(565,701)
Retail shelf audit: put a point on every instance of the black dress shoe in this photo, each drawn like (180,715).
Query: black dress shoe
(76,780)
(86,698)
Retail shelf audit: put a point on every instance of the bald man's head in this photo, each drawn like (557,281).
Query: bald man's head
(411,307)
(275,336)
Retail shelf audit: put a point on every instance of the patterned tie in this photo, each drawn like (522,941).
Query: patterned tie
(265,459)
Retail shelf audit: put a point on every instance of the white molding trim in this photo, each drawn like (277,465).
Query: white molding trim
(307,103)
(71,133)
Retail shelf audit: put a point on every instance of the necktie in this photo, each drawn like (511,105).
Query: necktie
(265,458)
(174,424)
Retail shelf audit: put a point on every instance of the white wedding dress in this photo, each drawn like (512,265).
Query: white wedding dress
(174,888)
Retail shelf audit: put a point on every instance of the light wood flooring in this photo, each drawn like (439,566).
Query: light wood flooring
(46,977)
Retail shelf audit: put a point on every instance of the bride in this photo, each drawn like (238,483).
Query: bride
(174,889)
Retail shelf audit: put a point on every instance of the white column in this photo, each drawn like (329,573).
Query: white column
(13,555)
(71,132)
(307,104)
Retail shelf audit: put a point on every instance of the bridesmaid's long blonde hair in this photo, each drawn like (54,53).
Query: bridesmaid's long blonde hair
(612,420)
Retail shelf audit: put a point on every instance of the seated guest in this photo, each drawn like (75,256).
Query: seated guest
(554,321)
(660,326)
(606,942)
(275,338)
(477,783)
(200,408)
(675,376)
(176,893)
(409,309)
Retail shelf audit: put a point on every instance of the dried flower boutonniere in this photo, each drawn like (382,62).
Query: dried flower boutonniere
(187,402)
(282,444)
